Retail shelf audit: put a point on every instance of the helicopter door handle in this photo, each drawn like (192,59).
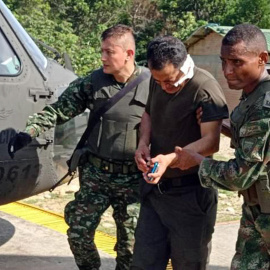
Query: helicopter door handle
(42,142)
(39,94)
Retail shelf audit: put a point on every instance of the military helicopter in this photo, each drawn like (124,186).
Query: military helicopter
(28,82)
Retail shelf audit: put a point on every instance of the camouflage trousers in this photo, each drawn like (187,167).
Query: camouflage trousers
(98,191)
(253,243)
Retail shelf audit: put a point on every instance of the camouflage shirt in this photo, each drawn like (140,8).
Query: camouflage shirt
(251,141)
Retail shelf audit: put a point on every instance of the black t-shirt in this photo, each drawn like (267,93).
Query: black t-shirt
(173,116)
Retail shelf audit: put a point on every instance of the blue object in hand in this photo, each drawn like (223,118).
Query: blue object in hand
(153,170)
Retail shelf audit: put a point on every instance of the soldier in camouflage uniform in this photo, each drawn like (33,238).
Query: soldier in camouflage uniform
(107,171)
(244,55)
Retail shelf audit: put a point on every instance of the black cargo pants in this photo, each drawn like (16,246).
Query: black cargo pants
(175,223)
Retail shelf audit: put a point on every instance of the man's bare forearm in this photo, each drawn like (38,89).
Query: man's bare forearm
(209,143)
(145,130)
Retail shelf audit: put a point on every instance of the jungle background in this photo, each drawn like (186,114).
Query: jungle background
(75,26)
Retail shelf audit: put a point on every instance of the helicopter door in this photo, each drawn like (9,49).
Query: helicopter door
(22,93)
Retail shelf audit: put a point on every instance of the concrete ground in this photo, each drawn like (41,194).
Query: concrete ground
(27,246)
(223,247)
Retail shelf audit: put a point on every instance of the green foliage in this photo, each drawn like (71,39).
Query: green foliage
(147,22)
(75,26)
(202,10)
(182,26)
(41,23)
(249,11)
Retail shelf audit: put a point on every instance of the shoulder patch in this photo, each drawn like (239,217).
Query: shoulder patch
(266,101)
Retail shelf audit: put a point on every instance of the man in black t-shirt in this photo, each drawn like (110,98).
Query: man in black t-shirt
(177,215)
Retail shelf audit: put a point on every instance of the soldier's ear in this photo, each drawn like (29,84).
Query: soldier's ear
(130,54)
(263,58)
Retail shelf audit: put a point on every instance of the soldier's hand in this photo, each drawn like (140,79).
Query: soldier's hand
(186,159)
(17,142)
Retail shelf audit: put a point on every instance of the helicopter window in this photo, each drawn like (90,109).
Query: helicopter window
(9,62)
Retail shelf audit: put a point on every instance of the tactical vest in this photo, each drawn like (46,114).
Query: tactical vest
(115,137)
(259,192)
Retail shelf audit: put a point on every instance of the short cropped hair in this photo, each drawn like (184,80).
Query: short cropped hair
(165,50)
(117,31)
(250,34)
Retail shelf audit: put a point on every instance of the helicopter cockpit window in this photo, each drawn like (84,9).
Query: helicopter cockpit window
(9,62)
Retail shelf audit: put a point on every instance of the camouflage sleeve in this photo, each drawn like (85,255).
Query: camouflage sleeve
(72,102)
(240,173)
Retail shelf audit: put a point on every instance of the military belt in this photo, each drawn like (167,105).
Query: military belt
(113,167)
(258,195)
(182,181)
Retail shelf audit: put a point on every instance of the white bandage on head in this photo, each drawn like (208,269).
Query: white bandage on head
(188,70)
